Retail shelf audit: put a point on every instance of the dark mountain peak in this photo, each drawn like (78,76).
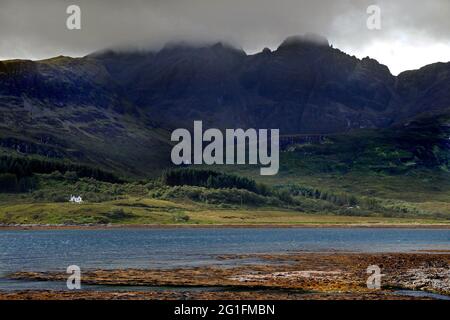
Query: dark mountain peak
(222,46)
(184,46)
(369,61)
(427,88)
(226,47)
(192,57)
(309,40)
(438,67)
(373,66)
(132,54)
(180,45)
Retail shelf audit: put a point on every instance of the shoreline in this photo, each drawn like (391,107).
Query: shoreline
(325,276)
(221,226)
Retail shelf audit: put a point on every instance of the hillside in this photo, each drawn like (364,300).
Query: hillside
(396,175)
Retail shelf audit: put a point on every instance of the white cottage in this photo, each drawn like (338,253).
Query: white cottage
(75,199)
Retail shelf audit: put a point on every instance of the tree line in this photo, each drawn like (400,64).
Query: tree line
(16,173)
(211,179)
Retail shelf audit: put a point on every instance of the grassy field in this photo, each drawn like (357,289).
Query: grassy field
(150,202)
(153,211)
(422,198)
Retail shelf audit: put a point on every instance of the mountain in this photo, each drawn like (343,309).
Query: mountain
(116,108)
(66,108)
(305,86)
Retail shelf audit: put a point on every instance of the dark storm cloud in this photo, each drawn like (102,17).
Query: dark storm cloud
(36,29)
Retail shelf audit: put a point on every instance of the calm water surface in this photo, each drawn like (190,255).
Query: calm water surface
(41,250)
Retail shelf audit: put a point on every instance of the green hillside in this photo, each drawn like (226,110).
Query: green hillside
(397,175)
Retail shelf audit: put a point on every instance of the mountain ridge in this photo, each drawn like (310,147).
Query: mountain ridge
(117,109)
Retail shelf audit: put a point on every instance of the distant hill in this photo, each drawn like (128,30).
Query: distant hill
(115,109)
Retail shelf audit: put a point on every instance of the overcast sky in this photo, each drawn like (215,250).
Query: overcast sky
(413,33)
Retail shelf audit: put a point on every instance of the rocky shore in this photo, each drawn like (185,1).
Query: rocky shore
(280,276)
(94,226)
